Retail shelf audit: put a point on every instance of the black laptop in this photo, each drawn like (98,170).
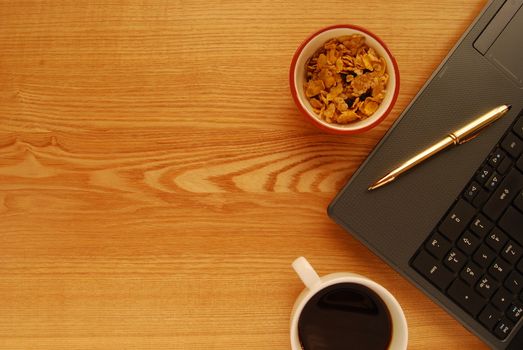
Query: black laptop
(454,225)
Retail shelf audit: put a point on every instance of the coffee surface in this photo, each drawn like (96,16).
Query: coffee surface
(345,316)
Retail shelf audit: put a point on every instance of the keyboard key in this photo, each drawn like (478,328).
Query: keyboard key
(518,202)
(493,181)
(503,328)
(520,266)
(455,260)
(515,311)
(432,270)
(489,317)
(518,127)
(470,273)
(496,157)
(471,191)
(466,297)
(481,198)
(511,252)
(512,145)
(519,163)
(468,243)
(457,220)
(484,256)
(484,173)
(504,166)
(512,223)
(506,191)
(499,269)
(502,299)
(514,282)
(481,225)
(487,286)
(496,239)
(438,245)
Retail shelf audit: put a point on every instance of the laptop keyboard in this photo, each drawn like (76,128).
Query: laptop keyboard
(474,255)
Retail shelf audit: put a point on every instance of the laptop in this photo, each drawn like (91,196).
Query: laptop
(453,226)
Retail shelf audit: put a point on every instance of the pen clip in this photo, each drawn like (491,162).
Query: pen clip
(460,142)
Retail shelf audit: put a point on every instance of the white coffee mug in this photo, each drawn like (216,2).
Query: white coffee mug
(315,283)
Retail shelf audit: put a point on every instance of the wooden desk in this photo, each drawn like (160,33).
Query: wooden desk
(156,179)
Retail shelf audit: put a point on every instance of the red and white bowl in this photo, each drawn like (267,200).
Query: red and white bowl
(297,78)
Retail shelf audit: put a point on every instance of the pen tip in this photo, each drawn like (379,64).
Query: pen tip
(509,106)
(383,181)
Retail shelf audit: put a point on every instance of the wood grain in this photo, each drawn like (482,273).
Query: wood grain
(156,180)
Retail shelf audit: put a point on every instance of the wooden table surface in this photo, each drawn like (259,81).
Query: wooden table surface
(157,181)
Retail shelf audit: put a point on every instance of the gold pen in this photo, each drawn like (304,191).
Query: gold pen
(457,137)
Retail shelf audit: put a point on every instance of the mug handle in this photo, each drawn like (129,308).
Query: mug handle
(306,272)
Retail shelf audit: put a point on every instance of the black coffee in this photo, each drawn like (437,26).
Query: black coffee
(345,316)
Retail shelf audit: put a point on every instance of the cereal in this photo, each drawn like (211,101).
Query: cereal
(345,80)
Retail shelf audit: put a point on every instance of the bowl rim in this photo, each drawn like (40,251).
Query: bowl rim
(314,119)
